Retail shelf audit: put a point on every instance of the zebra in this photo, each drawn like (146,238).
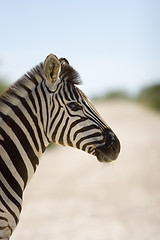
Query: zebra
(44,106)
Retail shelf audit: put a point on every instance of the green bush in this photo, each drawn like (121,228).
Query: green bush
(116,95)
(150,96)
(3,86)
(112,95)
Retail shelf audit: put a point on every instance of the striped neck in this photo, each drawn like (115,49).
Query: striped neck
(25,124)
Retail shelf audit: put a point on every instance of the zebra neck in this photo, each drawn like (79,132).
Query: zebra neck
(23,130)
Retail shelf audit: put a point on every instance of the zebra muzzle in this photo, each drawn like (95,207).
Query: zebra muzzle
(110,151)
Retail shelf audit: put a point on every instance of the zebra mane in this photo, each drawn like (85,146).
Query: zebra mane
(68,73)
(26,83)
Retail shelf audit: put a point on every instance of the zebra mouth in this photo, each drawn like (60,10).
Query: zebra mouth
(110,151)
(102,157)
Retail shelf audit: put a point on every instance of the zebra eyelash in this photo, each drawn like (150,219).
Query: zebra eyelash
(74,106)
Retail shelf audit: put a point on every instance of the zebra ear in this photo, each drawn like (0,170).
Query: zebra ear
(51,68)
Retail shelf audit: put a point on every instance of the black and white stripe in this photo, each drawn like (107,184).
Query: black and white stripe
(34,112)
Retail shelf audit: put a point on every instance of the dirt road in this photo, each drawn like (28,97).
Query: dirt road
(74,197)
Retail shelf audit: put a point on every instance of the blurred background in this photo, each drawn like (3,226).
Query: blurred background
(114,45)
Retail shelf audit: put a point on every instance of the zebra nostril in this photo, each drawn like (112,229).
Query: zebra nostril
(109,135)
(114,150)
(111,149)
(112,142)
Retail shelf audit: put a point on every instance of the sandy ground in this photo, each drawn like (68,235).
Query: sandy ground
(74,197)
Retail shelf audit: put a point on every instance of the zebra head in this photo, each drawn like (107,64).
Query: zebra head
(73,119)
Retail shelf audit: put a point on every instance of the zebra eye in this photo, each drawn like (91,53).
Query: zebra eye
(74,106)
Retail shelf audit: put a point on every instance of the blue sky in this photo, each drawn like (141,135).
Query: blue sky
(113,44)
